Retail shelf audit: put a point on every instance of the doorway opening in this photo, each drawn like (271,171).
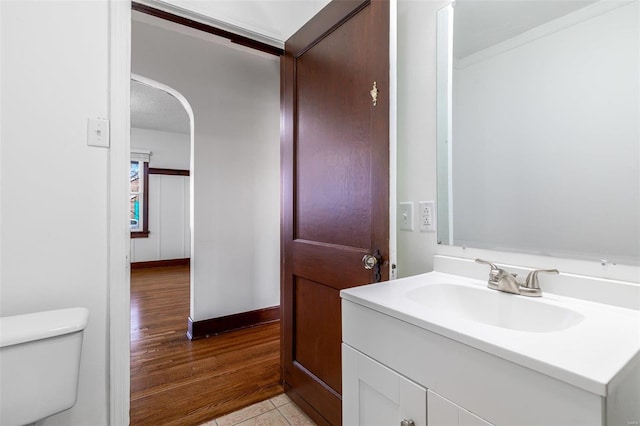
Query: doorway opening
(172,377)
(233,272)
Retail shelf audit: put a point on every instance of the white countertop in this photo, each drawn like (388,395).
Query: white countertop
(587,355)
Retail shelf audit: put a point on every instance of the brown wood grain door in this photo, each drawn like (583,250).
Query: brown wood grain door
(335,177)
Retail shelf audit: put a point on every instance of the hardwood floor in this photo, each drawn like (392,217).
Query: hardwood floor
(175,381)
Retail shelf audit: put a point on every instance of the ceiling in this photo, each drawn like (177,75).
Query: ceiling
(269,21)
(155,109)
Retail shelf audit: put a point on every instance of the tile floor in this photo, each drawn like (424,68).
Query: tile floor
(277,411)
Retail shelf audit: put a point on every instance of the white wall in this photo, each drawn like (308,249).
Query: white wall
(235,98)
(168,150)
(54,75)
(416,126)
(169,233)
(579,192)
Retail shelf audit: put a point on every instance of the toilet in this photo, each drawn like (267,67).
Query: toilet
(39,364)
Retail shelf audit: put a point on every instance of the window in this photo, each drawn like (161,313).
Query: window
(139,198)
(136,192)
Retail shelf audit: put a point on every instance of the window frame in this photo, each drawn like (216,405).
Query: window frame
(144,214)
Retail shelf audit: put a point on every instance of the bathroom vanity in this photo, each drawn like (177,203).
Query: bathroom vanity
(442,349)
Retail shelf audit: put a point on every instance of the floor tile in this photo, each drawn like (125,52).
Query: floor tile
(211,423)
(280,400)
(296,417)
(272,418)
(245,414)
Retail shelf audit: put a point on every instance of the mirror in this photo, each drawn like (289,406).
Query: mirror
(538,127)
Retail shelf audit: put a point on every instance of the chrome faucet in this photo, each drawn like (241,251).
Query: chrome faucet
(501,280)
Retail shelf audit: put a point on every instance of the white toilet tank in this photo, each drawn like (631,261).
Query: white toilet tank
(39,364)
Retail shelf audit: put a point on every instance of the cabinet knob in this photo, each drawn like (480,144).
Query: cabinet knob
(406,422)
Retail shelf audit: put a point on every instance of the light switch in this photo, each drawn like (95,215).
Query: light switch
(427,212)
(405,216)
(98,132)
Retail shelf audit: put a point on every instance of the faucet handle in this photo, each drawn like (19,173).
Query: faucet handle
(494,273)
(532,286)
(532,278)
(486,262)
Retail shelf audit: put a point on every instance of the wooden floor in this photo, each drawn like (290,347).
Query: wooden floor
(175,381)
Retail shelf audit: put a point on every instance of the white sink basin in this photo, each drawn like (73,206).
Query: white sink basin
(495,308)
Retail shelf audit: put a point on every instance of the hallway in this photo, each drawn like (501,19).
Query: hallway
(175,381)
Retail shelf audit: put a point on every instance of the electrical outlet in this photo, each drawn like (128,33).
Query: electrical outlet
(427,214)
(405,216)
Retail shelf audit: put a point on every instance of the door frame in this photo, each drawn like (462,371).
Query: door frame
(118,225)
(119,231)
(393,138)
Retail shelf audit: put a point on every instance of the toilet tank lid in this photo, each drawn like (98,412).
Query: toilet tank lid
(18,329)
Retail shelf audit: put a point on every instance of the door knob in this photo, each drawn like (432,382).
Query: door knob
(369,261)
(406,422)
(373,261)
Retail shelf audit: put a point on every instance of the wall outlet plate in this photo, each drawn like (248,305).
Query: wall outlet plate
(427,216)
(405,216)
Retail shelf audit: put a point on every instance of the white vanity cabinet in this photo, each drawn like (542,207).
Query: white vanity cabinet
(458,384)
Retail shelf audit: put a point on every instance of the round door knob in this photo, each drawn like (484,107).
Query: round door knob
(406,422)
(369,261)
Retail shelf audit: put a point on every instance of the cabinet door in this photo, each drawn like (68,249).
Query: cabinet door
(374,395)
(443,412)
(466,418)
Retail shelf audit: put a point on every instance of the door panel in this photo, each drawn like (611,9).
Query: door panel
(317,330)
(335,181)
(335,264)
(333,155)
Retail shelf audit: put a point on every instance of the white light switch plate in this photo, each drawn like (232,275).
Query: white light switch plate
(405,216)
(98,132)
(427,216)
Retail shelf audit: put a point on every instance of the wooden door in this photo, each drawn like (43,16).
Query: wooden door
(335,177)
